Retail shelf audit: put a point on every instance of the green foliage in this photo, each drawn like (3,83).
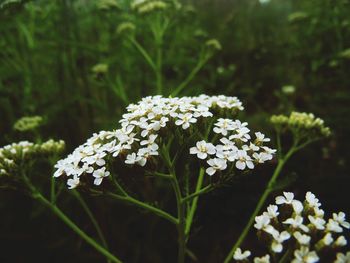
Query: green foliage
(79,63)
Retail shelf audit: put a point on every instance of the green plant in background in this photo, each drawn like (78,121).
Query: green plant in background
(79,63)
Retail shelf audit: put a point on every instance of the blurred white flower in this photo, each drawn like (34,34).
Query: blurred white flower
(304,255)
(241,255)
(73,182)
(264,259)
(340,218)
(311,200)
(288,198)
(303,240)
(296,223)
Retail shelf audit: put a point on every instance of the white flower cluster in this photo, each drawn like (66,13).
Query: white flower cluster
(235,147)
(306,123)
(13,154)
(291,224)
(136,142)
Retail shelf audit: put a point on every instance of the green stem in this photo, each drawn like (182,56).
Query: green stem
(52,190)
(92,218)
(193,208)
(159,66)
(58,212)
(150,208)
(181,220)
(204,190)
(192,74)
(143,53)
(261,202)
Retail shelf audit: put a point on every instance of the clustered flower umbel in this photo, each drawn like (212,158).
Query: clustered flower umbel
(301,122)
(301,230)
(28,123)
(136,142)
(13,154)
(148,6)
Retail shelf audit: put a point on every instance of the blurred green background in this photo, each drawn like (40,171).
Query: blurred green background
(67,61)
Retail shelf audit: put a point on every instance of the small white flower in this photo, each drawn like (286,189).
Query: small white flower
(264,259)
(239,255)
(261,221)
(327,239)
(278,239)
(304,255)
(297,206)
(343,258)
(262,157)
(311,200)
(317,222)
(333,226)
(132,158)
(272,211)
(288,198)
(99,175)
(296,222)
(303,240)
(243,160)
(260,137)
(318,212)
(202,149)
(185,120)
(215,165)
(73,182)
(341,241)
(340,218)
(223,126)
(242,134)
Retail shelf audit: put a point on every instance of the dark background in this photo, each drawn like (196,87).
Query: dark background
(47,51)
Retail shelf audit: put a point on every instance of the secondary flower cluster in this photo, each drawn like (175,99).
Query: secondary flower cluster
(235,146)
(137,141)
(12,155)
(28,123)
(147,6)
(300,232)
(303,123)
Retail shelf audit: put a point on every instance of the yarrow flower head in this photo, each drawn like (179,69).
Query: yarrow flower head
(13,155)
(305,234)
(28,123)
(305,124)
(148,6)
(145,131)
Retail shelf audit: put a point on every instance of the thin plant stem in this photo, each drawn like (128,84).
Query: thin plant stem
(150,208)
(204,190)
(92,218)
(181,220)
(158,32)
(268,190)
(159,76)
(192,74)
(193,208)
(60,214)
(52,190)
(143,52)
